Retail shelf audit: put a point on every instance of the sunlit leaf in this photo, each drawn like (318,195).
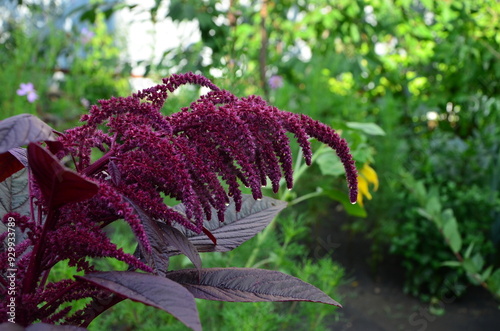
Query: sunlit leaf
(330,164)
(368,128)
(22,129)
(450,231)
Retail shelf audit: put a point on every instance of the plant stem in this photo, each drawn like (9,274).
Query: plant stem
(33,272)
(97,165)
(306,196)
(299,169)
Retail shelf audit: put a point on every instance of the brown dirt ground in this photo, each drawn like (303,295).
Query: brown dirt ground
(376,302)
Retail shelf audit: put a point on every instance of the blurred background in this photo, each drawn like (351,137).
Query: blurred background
(412,85)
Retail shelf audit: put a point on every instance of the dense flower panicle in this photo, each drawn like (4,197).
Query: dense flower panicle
(123,209)
(184,155)
(84,245)
(198,156)
(327,135)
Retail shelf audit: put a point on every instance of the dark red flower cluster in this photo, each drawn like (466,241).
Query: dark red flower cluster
(149,155)
(199,156)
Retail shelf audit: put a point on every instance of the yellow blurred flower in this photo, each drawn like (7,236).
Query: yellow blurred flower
(366,176)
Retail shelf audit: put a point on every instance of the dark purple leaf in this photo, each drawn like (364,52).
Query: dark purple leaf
(152,290)
(158,258)
(114,173)
(210,235)
(39,327)
(54,146)
(175,238)
(237,227)
(9,165)
(162,236)
(248,285)
(20,154)
(7,326)
(21,130)
(58,184)
(12,161)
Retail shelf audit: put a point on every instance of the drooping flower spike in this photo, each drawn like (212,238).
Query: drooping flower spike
(184,155)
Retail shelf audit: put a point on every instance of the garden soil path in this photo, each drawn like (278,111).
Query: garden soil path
(376,302)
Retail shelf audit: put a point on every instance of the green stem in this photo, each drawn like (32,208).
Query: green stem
(306,196)
(260,263)
(298,170)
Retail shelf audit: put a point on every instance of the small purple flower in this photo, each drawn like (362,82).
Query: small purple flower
(275,82)
(85,103)
(28,90)
(86,35)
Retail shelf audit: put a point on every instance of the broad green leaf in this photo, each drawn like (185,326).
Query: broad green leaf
(468,252)
(450,231)
(471,266)
(433,208)
(151,290)
(368,128)
(248,285)
(494,282)
(452,264)
(478,262)
(487,273)
(422,212)
(362,154)
(352,209)
(420,192)
(330,164)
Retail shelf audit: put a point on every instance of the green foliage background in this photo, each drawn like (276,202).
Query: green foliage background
(427,72)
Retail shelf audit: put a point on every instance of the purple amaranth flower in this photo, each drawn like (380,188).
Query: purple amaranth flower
(275,82)
(198,156)
(86,35)
(185,155)
(28,90)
